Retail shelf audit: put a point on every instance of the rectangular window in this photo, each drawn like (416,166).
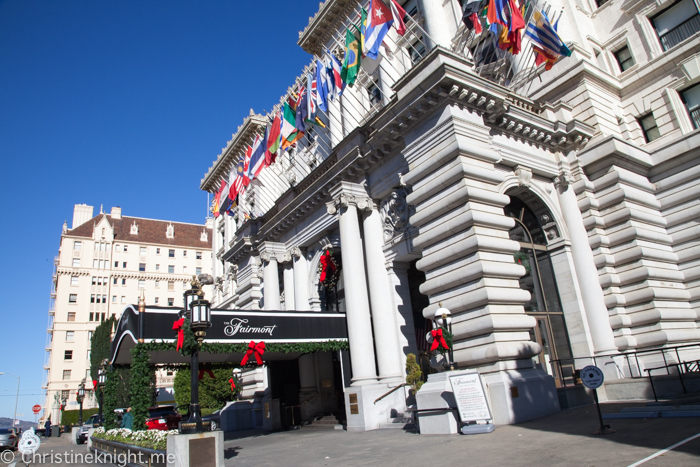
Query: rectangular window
(184,253)
(157,267)
(648,124)
(143,251)
(676,24)
(123,299)
(114,281)
(198,255)
(171,301)
(157,284)
(77,245)
(76,262)
(65,393)
(71,316)
(95,263)
(142,284)
(125,248)
(74,280)
(66,375)
(68,355)
(691,99)
(142,267)
(198,271)
(171,253)
(124,264)
(624,58)
(114,299)
(104,299)
(123,281)
(116,264)
(171,269)
(157,251)
(89,337)
(600,3)
(70,336)
(92,298)
(171,285)
(92,316)
(156,300)
(99,281)
(99,299)
(73,298)
(184,269)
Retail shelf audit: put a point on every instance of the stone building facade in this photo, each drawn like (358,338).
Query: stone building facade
(555,213)
(104,264)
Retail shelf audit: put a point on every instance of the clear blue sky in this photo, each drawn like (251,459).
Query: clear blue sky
(119,103)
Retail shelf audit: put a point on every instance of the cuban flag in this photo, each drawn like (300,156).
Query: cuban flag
(336,81)
(323,85)
(378,24)
(257,157)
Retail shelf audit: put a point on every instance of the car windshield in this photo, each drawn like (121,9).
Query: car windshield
(4,431)
(160,412)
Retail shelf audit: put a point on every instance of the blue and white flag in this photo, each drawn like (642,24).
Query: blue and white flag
(378,24)
(322,85)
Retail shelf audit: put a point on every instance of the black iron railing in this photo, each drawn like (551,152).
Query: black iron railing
(695,117)
(680,33)
(681,368)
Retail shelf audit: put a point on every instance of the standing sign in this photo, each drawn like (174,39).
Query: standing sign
(36,409)
(592,377)
(470,397)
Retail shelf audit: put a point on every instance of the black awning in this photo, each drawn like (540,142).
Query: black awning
(155,324)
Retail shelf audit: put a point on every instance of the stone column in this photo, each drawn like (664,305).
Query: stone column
(288,277)
(270,255)
(301,281)
(398,280)
(438,21)
(347,197)
(386,339)
(586,270)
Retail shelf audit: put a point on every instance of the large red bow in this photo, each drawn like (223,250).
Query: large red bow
(178,326)
(201,374)
(438,340)
(258,349)
(326,264)
(233,384)
(94,383)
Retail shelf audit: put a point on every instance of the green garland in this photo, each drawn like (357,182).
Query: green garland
(214,348)
(142,387)
(521,258)
(189,344)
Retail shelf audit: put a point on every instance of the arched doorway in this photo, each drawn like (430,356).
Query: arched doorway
(532,219)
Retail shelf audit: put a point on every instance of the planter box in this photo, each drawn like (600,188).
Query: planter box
(127,454)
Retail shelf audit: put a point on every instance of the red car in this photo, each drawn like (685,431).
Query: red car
(164,417)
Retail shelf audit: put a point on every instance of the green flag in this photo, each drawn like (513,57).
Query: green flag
(351,64)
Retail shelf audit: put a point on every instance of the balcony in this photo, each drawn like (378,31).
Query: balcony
(680,33)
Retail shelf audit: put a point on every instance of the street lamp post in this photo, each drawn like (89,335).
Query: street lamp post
(14,419)
(80,397)
(443,318)
(101,381)
(198,311)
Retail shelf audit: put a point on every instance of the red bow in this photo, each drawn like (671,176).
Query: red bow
(326,264)
(201,374)
(233,384)
(438,340)
(94,383)
(258,349)
(177,326)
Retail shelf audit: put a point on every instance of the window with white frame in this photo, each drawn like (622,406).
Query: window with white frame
(66,374)
(676,23)
(73,298)
(76,262)
(691,99)
(142,284)
(74,280)
(70,336)
(77,246)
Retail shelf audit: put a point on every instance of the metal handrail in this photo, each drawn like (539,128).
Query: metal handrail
(392,390)
(680,373)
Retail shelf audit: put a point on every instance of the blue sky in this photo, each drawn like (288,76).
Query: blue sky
(117,103)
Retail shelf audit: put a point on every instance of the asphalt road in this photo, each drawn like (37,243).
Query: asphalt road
(562,439)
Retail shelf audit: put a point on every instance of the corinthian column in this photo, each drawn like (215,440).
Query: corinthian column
(386,339)
(347,197)
(301,286)
(288,277)
(271,284)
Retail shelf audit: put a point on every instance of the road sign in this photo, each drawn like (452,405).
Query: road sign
(592,377)
(36,408)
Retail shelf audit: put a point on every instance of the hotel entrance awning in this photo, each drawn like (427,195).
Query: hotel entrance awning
(228,327)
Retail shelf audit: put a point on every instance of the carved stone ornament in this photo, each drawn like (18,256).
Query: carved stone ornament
(266,257)
(564,179)
(362,203)
(396,213)
(296,252)
(524,175)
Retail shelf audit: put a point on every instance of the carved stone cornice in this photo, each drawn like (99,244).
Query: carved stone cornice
(324,24)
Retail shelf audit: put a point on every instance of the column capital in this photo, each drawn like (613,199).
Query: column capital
(347,194)
(563,180)
(296,252)
(273,251)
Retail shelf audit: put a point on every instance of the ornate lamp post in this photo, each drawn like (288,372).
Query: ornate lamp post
(443,319)
(101,381)
(198,311)
(81,396)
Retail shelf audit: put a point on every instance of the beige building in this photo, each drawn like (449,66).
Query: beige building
(104,263)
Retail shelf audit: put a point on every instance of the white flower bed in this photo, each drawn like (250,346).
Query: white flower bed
(153,439)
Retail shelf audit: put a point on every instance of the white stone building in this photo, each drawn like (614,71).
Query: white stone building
(555,213)
(105,263)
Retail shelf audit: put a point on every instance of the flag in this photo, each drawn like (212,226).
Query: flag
(352,61)
(398,14)
(302,122)
(495,13)
(544,57)
(363,30)
(257,157)
(541,33)
(246,164)
(470,17)
(322,85)
(337,84)
(224,200)
(380,20)
(311,98)
(290,134)
(238,180)
(273,140)
(217,198)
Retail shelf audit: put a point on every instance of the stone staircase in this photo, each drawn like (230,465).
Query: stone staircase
(324,422)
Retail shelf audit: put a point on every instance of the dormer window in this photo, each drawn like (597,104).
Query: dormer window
(204,237)
(170,231)
(134,229)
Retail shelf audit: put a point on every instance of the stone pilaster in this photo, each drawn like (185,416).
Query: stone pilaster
(271,254)
(301,280)
(347,198)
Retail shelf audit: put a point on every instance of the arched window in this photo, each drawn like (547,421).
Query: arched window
(540,281)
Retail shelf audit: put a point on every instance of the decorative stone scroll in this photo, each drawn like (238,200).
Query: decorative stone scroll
(396,213)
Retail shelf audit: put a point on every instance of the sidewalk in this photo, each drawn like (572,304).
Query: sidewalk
(562,439)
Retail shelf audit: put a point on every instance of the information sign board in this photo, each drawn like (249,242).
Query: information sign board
(470,397)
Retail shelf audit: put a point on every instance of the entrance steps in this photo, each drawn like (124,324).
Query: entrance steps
(401,421)
(324,422)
